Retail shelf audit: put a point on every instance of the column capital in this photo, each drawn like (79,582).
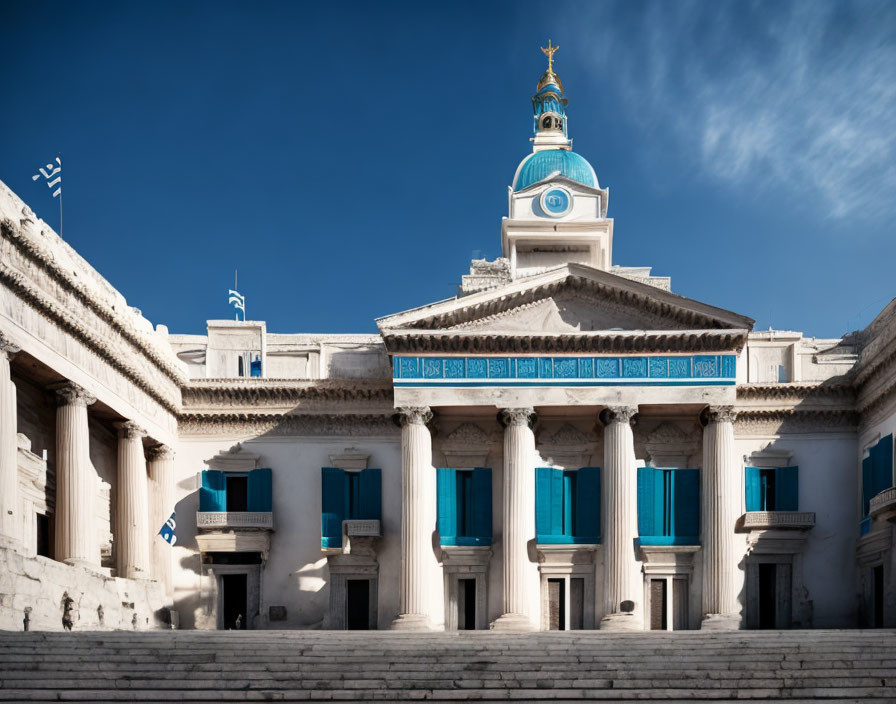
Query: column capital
(70,394)
(718,414)
(159,452)
(517,416)
(7,347)
(618,414)
(413,415)
(130,430)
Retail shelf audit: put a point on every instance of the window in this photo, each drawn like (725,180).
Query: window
(235,491)
(771,488)
(347,496)
(464,506)
(567,505)
(877,471)
(668,506)
(255,367)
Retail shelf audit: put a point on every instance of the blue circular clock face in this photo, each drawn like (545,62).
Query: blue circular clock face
(556,201)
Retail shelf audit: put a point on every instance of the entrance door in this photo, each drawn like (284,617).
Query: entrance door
(466,604)
(576,603)
(357,604)
(557,604)
(234,602)
(658,617)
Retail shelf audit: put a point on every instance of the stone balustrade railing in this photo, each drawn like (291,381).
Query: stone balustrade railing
(885,501)
(234,519)
(359,528)
(757,520)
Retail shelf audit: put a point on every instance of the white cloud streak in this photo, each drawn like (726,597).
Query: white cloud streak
(797,98)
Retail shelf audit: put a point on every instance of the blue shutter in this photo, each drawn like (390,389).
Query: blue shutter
(371,483)
(446,488)
(882,465)
(867,468)
(557,503)
(333,488)
(482,505)
(753,489)
(647,521)
(587,528)
(543,504)
(787,489)
(213,492)
(686,506)
(259,490)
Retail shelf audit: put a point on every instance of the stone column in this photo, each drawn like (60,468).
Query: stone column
(10,519)
(418,506)
(76,481)
(623,584)
(132,536)
(161,475)
(518,528)
(720,508)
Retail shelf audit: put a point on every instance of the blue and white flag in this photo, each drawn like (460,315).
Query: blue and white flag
(238,301)
(53,175)
(167,531)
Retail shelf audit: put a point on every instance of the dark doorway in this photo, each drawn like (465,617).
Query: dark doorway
(466,604)
(234,602)
(658,617)
(43,535)
(357,604)
(767,595)
(877,595)
(237,493)
(557,604)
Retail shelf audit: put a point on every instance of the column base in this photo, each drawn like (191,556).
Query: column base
(720,622)
(411,622)
(621,622)
(513,622)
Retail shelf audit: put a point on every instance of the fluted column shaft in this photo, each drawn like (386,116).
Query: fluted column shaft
(161,477)
(623,588)
(418,500)
(76,483)
(518,502)
(133,509)
(10,520)
(720,508)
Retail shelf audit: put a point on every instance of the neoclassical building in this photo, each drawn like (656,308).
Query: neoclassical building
(565,444)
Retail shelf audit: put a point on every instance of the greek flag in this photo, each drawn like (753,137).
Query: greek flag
(238,301)
(53,175)
(167,531)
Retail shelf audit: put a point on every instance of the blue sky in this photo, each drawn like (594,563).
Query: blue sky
(349,158)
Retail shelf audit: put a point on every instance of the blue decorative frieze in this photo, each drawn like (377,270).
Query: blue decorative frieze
(643,370)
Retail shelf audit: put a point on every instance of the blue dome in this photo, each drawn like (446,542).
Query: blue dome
(538,166)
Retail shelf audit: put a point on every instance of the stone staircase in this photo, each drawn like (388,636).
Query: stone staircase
(197,666)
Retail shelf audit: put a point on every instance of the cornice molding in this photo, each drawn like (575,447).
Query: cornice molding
(267,392)
(478,342)
(285,425)
(775,422)
(40,256)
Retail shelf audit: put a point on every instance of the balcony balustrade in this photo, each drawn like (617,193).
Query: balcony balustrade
(779,520)
(216,520)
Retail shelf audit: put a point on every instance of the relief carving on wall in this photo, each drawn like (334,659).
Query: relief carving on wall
(568,447)
(467,445)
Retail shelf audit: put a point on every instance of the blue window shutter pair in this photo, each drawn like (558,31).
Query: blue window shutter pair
(260,490)
(786,488)
(668,506)
(476,492)
(336,505)
(213,491)
(567,505)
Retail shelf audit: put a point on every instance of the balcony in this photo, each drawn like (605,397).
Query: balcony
(779,520)
(883,506)
(239,520)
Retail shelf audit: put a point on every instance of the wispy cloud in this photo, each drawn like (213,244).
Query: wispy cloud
(793,97)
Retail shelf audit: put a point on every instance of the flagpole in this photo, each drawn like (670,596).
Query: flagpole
(59,154)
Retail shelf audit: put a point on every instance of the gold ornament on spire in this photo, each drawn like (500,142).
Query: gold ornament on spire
(549,76)
(549,52)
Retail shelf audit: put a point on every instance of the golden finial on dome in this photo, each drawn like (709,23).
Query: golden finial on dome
(549,52)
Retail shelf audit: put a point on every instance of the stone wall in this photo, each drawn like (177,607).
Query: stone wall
(41,583)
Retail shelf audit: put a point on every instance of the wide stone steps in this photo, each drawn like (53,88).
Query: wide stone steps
(480,666)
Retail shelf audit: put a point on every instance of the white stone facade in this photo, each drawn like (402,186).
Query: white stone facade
(551,358)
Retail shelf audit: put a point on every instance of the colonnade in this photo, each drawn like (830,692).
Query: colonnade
(140,498)
(622,576)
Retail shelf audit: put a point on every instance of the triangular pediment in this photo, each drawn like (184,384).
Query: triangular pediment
(568,300)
